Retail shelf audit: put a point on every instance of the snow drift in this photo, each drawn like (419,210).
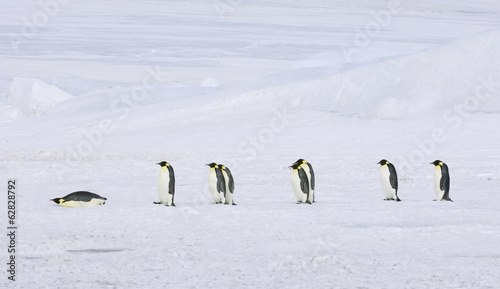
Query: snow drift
(34,97)
(430,82)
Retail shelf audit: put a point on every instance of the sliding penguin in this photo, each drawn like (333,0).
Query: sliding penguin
(310,177)
(441,181)
(80,199)
(216,184)
(166,184)
(229,184)
(300,184)
(389,180)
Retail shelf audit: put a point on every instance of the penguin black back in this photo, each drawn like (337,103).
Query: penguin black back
(393,178)
(82,196)
(445,181)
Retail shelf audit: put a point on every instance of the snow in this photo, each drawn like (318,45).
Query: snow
(94,93)
(35,97)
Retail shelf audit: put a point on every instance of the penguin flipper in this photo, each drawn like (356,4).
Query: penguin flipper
(444,184)
(393,176)
(171,183)
(231,180)
(313,182)
(221,184)
(304,183)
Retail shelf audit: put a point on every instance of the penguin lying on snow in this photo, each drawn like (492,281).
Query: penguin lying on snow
(166,184)
(389,180)
(441,181)
(80,199)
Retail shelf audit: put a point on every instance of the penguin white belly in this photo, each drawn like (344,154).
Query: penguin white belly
(299,195)
(389,192)
(163,187)
(78,204)
(437,183)
(212,186)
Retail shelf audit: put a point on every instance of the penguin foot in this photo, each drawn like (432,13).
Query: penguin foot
(234,204)
(157,203)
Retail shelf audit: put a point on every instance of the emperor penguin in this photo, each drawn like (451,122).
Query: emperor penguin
(166,184)
(310,176)
(389,180)
(229,184)
(441,181)
(300,184)
(80,199)
(216,184)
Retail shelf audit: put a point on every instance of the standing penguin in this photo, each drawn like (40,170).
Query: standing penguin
(441,181)
(310,176)
(229,184)
(216,184)
(300,184)
(389,180)
(166,184)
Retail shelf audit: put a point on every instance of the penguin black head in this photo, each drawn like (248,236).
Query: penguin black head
(163,164)
(212,165)
(437,163)
(295,166)
(383,162)
(57,200)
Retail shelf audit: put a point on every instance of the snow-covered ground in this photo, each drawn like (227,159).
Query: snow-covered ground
(94,93)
